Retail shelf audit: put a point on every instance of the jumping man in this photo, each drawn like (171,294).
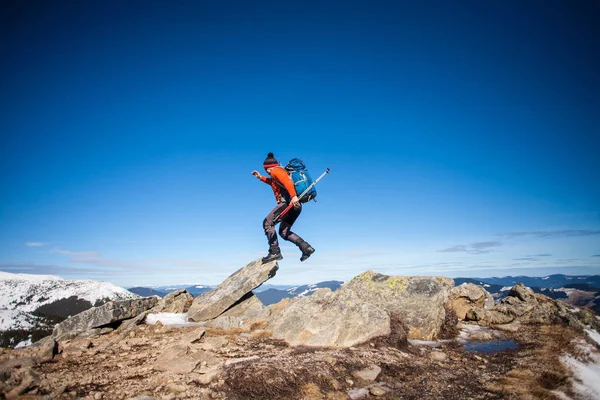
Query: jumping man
(285,193)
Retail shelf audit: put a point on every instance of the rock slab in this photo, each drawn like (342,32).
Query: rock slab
(213,303)
(106,314)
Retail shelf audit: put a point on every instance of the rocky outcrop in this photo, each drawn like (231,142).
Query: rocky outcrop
(418,301)
(178,301)
(336,319)
(524,306)
(467,297)
(109,313)
(213,303)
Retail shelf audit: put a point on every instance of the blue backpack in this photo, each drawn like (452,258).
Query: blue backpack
(302,179)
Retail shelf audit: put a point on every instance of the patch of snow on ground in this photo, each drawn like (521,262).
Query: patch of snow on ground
(546,277)
(586,377)
(595,336)
(506,288)
(429,343)
(172,319)
(486,285)
(24,343)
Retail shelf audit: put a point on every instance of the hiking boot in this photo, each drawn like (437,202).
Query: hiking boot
(307,253)
(272,256)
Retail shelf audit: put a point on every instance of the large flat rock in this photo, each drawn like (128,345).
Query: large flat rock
(106,314)
(328,319)
(417,300)
(213,303)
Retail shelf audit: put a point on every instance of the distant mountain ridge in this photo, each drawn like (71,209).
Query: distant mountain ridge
(549,281)
(272,296)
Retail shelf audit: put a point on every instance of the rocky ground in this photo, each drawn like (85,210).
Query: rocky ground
(349,344)
(154,361)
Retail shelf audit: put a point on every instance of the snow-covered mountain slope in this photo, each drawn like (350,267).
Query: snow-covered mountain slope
(23,294)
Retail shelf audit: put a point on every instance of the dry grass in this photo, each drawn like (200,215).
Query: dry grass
(226,332)
(539,371)
(259,325)
(261,335)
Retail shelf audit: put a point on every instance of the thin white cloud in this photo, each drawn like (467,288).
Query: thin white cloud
(473,248)
(35,244)
(555,233)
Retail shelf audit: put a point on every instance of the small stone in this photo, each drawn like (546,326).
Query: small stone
(132,334)
(350,382)
(356,394)
(438,356)
(368,374)
(377,391)
(98,396)
(482,367)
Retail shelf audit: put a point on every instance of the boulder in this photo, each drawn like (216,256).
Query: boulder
(213,303)
(418,301)
(522,293)
(336,319)
(109,313)
(249,309)
(178,301)
(469,296)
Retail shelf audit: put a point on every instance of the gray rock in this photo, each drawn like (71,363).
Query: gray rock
(418,301)
(225,322)
(356,394)
(337,319)
(249,309)
(522,292)
(108,313)
(129,324)
(178,301)
(438,356)
(467,297)
(369,374)
(213,303)
(524,306)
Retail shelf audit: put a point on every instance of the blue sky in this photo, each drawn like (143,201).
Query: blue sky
(463,137)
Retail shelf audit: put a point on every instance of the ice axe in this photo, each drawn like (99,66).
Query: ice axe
(285,211)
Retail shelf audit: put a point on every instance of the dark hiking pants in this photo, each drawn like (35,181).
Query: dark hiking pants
(284,228)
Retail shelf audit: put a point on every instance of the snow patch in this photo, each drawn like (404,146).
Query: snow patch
(179,320)
(429,343)
(506,288)
(595,336)
(24,343)
(546,277)
(586,377)
(486,285)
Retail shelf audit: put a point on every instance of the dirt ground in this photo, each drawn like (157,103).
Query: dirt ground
(253,366)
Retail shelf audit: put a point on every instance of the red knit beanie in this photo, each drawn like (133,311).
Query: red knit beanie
(270,161)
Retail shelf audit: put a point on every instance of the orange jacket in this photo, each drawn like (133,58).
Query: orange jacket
(279,177)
